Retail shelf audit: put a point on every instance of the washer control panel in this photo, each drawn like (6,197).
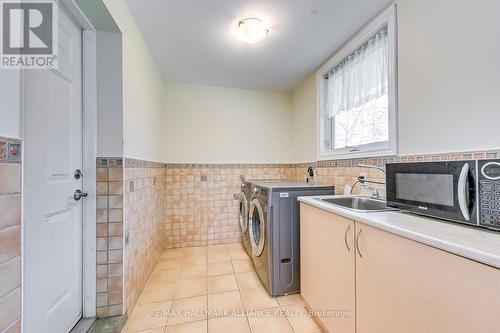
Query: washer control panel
(489,193)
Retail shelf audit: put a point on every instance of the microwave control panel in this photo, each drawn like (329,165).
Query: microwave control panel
(489,193)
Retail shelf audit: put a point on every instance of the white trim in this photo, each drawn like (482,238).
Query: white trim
(89,166)
(77,14)
(386,18)
(89,110)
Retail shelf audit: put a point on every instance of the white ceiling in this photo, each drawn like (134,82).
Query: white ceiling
(192,41)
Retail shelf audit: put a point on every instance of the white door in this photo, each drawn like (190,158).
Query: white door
(52,297)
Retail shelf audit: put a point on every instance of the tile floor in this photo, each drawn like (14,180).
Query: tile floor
(213,289)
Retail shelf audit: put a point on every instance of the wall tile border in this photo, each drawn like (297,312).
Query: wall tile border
(112,162)
(10,150)
(109,162)
(226,166)
(381,161)
(136,163)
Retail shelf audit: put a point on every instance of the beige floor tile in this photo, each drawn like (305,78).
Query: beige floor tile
(153,330)
(218,256)
(242,266)
(221,283)
(220,268)
(194,250)
(148,316)
(291,300)
(238,254)
(235,246)
(225,304)
(196,259)
(199,326)
(173,253)
(269,324)
(248,280)
(217,247)
(186,310)
(300,320)
(157,292)
(191,287)
(192,271)
(228,324)
(169,263)
(258,298)
(164,275)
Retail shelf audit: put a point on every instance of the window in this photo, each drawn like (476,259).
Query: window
(357,95)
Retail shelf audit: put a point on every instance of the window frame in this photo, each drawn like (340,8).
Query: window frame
(385,19)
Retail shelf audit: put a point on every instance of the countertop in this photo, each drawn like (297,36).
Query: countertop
(477,244)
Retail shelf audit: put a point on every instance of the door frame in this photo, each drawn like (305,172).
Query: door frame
(89,155)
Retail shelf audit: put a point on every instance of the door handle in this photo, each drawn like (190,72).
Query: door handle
(345,238)
(357,244)
(79,194)
(78,174)
(462,192)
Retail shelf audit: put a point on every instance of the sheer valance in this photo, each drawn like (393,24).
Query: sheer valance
(360,77)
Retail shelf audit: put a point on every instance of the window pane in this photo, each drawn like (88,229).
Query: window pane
(366,124)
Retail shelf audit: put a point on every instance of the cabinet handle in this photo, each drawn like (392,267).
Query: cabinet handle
(345,238)
(357,244)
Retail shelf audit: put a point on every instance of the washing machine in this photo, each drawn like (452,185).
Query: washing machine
(244,198)
(274,232)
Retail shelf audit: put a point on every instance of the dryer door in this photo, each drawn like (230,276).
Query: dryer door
(243,214)
(257,227)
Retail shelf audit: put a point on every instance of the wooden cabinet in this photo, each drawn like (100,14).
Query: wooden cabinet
(405,286)
(327,266)
(391,284)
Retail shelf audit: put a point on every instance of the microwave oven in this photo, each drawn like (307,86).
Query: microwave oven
(459,191)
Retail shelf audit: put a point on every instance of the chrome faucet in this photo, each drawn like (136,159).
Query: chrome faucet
(371,167)
(375,192)
(363,181)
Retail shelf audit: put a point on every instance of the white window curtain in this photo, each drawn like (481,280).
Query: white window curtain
(360,78)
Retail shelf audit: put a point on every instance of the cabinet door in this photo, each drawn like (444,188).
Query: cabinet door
(405,286)
(327,267)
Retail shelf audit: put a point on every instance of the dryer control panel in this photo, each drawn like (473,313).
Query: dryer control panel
(489,193)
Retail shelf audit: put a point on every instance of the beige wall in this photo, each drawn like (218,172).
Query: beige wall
(449,80)
(142,90)
(304,121)
(109,94)
(449,75)
(226,125)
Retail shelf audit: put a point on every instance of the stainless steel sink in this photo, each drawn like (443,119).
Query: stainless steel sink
(359,204)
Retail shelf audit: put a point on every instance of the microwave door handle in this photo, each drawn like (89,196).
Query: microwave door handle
(462,192)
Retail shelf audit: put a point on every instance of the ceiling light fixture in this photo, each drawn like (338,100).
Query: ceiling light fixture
(251,30)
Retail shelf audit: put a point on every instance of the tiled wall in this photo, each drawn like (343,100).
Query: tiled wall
(144,197)
(109,237)
(200,205)
(10,240)
(182,205)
